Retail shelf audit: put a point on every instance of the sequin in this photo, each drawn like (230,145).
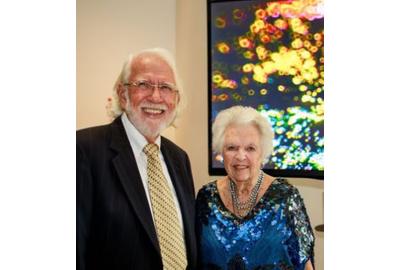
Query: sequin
(276,234)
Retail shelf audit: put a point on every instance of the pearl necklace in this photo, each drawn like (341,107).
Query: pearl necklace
(247,205)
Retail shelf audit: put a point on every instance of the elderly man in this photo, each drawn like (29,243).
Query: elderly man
(135,192)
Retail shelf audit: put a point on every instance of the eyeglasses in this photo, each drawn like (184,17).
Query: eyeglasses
(147,88)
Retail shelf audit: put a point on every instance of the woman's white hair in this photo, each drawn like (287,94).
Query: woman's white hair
(239,115)
(125,74)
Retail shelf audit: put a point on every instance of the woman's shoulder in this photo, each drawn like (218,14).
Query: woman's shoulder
(281,189)
(207,189)
(283,185)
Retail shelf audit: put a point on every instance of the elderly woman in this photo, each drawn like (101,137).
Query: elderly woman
(248,219)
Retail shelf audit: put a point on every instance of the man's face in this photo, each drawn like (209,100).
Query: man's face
(150,112)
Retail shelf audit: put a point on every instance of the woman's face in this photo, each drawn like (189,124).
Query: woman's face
(242,152)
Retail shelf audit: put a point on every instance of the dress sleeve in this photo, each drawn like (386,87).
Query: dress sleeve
(201,207)
(303,236)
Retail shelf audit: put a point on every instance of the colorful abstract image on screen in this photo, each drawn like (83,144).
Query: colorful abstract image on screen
(270,55)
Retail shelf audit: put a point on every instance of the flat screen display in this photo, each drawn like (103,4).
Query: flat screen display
(270,55)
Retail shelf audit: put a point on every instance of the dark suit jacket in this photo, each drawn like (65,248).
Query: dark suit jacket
(115,228)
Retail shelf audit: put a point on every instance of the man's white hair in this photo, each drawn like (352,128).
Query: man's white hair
(239,115)
(125,74)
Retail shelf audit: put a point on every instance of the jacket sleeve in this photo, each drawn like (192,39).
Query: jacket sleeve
(84,199)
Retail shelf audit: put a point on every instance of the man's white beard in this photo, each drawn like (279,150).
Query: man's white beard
(145,129)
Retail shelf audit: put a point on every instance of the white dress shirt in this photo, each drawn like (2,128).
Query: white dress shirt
(138,142)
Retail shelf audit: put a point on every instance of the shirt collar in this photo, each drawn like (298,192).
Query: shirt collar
(136,139)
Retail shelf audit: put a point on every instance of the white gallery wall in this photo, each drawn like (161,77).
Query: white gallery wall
(108,30)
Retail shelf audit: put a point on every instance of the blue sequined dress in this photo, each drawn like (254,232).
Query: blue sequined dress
(275,235)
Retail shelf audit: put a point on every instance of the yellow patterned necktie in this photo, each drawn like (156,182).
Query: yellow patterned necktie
(169,231)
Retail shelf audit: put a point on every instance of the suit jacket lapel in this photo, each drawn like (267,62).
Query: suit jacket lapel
(128,172)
